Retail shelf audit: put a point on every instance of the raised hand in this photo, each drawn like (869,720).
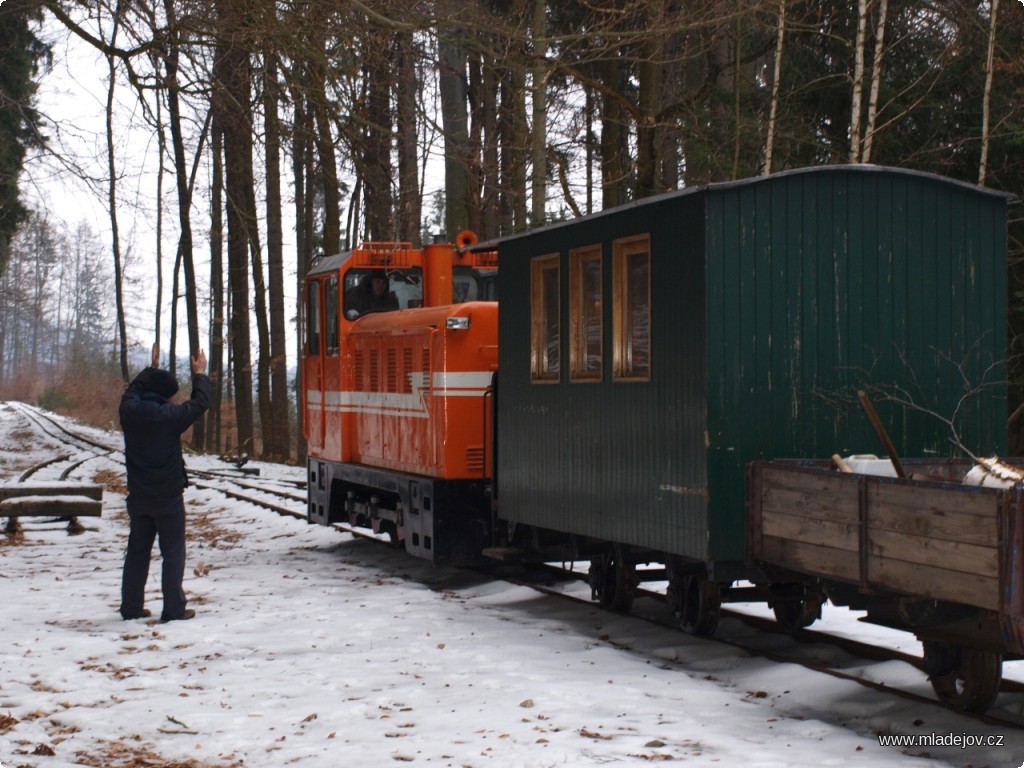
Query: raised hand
(199,362)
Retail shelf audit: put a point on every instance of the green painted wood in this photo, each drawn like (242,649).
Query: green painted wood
(773,301)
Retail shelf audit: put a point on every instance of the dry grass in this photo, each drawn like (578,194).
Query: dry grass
(121,754)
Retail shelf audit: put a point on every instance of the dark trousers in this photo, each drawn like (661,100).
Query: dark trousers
(152,518)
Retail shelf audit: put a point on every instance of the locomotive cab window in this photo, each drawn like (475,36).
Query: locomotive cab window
(585,314)
(545,333)
(470,284)
(313,318)
(381,290)
(331,315)
(631,332)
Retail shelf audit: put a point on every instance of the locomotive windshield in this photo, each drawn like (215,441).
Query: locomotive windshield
(382,290)
(470,284)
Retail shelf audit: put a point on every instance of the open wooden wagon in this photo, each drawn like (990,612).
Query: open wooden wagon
(931,556)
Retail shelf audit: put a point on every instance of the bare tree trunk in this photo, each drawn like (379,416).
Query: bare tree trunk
(325,145)
(876,80)
(213,432)
(301,160)
(780,35)
(474,151)
(376,160)
(259,297)
(491,177)
(513,136)
(538,93)
(184,207)
(452,62)
(162,149)
(987,98)
(231,69)
(651,70)
(590,108)
(172,347)
(614,135)
(856,106)
(275,439)
(112,203)
(409,200)
(302,172)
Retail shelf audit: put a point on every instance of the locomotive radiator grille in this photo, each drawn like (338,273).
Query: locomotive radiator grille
(475,459)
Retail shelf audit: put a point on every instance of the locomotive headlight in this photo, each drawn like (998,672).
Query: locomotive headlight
(457,324)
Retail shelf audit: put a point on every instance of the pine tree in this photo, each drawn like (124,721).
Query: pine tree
(21,53)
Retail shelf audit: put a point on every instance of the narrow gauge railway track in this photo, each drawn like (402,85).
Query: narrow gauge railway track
(251,493)
(53,428)
(532,576)
(858,651)
(289,501)
(78,449)
(226,481)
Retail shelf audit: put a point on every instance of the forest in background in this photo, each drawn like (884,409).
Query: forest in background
(321,117)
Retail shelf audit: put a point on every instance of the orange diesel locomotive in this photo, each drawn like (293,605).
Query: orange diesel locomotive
(401,351)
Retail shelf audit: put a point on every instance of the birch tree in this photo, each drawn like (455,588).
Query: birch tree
(987,95)
(856,105)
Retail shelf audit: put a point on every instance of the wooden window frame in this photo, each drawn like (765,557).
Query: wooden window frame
(579,356)
(622,337)
(540,372)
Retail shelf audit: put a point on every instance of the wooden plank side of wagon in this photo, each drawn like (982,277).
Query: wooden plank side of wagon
(934,541)
(806,520)
(930,540)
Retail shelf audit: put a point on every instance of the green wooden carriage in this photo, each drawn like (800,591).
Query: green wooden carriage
(650,352)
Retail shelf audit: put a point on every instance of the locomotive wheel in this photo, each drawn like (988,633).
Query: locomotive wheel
(799,613)
(973,682)
(698,605)
(613,580)
(392,533)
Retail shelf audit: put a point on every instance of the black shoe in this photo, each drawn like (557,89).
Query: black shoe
(188,614)
(146,613)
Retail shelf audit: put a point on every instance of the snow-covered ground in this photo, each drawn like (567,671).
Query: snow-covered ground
(312,648)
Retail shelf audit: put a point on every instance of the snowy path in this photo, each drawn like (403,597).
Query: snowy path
(314,649)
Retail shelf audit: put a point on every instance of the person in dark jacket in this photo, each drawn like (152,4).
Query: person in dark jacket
(371,294)
(153,424)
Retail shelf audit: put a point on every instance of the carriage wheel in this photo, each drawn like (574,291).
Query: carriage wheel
(613,579)
(972,683)
(697,604)
(801,612)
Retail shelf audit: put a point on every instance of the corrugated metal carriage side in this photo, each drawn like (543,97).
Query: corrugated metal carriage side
(767,300)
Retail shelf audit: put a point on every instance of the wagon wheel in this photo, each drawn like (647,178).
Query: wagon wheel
(613,579)
(697,604)
(391,529)
(801,612)
(973,682)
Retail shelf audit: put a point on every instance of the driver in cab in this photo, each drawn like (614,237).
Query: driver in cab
(371,294)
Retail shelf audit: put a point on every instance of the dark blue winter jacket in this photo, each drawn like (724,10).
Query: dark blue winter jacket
(152,435)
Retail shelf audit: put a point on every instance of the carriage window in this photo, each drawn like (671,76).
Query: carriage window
(631,278)
(585,313)
(313,318)
(545,337)
(331,315)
